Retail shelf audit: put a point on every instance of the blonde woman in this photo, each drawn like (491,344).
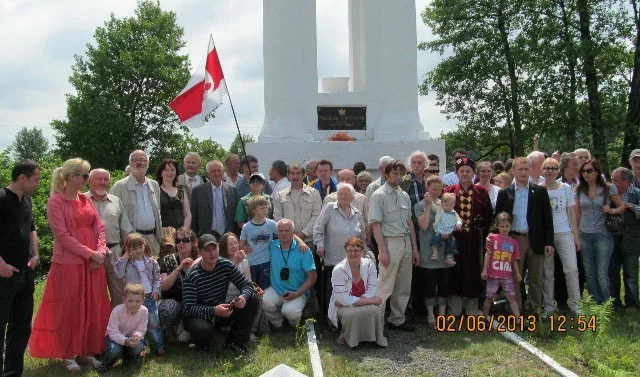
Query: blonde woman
(73,316)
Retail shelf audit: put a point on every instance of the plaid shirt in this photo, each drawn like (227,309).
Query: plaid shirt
(625,198)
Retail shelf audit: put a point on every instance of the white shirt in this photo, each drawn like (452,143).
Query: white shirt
(282,184)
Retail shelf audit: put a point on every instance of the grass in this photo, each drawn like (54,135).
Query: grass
(615,353)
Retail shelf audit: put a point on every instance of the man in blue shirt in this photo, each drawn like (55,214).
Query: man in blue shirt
(292,274)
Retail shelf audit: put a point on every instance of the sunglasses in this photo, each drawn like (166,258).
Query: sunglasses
(588,171)
(434,171)
(183,240)
(550,168)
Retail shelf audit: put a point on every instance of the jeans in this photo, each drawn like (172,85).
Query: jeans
(450,246)
(628,261)
(260,274)
(596,254)
(16,310)
(113,350)
(154,330)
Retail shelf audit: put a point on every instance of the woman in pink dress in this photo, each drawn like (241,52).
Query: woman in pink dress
(72,318)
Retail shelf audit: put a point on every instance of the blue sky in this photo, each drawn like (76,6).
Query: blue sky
(40,38)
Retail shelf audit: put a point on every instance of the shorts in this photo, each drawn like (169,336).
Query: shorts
(494,283)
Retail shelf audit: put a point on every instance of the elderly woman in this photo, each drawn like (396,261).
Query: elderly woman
(337,222)
(174,201)
(593,196)
(72,318)
(354,303)
(474,207)
(484,172)
(566,238)
(363,179)
(173,269)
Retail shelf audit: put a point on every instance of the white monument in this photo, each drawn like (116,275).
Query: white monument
(377,104)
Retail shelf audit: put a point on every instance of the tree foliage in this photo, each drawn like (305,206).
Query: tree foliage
(515,69)
(236,147)
(30,144)
(123,85)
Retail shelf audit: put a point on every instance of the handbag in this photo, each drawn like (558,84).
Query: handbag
(614,223)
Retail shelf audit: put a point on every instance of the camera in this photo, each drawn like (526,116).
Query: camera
(284,274)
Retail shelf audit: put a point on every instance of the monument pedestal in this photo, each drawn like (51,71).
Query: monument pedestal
(343,154)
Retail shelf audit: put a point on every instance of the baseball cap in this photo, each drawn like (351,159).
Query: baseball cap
(259,175)
(634,153)
(206,240)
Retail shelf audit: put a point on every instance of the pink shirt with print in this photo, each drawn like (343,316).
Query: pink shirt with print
(503,251)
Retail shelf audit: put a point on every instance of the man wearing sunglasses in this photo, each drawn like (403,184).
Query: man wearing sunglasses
(117,227)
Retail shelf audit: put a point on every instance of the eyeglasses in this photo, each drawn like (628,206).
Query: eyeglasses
(588,171)
(550,168)
(183,240)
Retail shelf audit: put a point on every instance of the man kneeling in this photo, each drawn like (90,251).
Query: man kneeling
(292,274)
(204,289)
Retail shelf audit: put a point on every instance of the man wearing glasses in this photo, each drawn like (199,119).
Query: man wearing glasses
(140,197)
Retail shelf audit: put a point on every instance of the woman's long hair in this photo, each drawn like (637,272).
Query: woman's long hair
(71,166)
(161,168)
(583,186)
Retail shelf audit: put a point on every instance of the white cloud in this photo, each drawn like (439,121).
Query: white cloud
(40,39)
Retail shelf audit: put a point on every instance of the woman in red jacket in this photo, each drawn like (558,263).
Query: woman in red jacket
(73,316)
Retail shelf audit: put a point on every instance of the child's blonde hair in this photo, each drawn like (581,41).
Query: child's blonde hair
(448,196)
(502,216)
(133,289)
(136,240)
(434,179)
(257,201)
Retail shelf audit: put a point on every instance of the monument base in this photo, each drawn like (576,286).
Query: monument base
(343,154)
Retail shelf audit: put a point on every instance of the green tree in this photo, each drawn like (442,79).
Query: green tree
(30,144)
(236,147)
(124,85)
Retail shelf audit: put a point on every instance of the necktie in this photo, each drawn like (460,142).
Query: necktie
(191,180)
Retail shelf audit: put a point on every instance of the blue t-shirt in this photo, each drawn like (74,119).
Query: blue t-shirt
(258,236)
(297,262)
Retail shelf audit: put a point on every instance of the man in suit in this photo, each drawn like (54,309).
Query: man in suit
(213,205)
(532,226)
(191,178)
(140,197)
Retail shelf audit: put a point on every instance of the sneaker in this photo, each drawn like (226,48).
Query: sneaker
(237,348)
(402,327)
(434,255)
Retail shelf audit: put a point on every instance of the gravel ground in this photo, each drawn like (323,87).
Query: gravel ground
(405,355)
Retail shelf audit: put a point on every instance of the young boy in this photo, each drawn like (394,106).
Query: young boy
(256,185)
(126,328)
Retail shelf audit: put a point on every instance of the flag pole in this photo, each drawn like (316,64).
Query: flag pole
(244,151)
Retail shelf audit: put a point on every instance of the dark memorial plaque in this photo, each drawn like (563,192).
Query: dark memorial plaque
(342,118)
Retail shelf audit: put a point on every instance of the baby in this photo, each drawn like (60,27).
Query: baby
(446,222)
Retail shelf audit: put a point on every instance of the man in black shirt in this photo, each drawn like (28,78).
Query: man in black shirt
(18,258)
(204,290)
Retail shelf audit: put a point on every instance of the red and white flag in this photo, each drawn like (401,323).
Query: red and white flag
(203,92)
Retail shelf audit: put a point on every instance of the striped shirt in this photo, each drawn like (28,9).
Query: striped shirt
(202,289)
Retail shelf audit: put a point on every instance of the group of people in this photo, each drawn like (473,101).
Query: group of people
(185,255)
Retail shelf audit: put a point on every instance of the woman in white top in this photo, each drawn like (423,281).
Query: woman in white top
(484,172)
(566,239)
(354,303)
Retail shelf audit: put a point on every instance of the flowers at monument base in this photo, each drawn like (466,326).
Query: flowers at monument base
(341,136)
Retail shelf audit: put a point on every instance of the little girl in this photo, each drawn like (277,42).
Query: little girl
(136,266)
(500,264)
(446,222)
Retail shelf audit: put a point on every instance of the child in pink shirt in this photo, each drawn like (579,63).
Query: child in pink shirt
(499,260)
(126,328)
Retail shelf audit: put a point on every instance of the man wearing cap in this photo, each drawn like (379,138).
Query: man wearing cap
(532,227)
(116,224)
(634,161)
(256,183)
(140,197)
(213,205)
(204,290)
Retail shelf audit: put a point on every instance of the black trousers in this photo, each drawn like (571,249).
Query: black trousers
(16,310)
(202,330)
